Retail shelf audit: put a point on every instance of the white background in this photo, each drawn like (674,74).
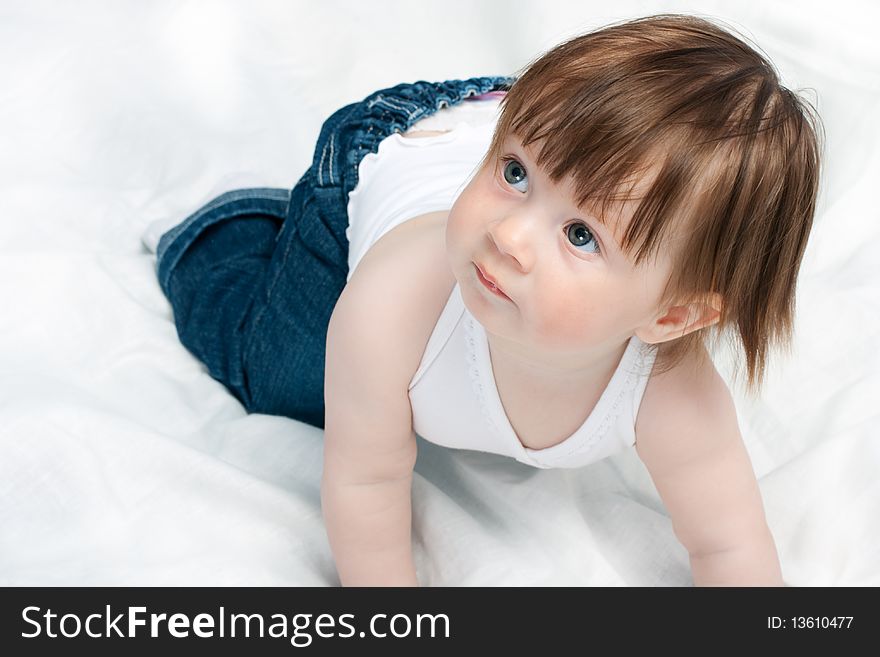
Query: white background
(123,463)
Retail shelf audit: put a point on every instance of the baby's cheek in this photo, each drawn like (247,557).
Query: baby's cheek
(453,233)
(564,324)
(457,223)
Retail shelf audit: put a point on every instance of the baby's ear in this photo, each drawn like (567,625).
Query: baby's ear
(677,321)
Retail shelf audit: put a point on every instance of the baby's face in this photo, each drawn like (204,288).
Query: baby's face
(568,288)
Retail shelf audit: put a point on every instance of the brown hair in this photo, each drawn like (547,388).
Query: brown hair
(736,157)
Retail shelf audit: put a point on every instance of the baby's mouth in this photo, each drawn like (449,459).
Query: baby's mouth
(489,284)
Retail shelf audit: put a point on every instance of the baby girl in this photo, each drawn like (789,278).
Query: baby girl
(529,266)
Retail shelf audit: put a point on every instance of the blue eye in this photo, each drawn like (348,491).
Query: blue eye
(579,235)
(514,173)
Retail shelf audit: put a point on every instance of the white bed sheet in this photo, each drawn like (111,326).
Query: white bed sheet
(123,463)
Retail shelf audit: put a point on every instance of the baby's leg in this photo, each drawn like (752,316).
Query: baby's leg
(253,278)
(284,351)
(212,266)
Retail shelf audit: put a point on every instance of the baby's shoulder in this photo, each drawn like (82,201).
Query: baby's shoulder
(396,294)
(685,412)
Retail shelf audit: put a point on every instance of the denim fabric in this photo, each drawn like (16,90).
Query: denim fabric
(253,276)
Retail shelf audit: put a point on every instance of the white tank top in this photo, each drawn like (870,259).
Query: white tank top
(455,401)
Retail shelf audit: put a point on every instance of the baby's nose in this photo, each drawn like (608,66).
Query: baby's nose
(513,238)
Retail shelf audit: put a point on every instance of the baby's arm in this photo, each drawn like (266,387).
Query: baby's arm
(375,341)
(693,450)
(369,454)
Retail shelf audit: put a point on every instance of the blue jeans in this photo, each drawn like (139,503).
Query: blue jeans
(253,276)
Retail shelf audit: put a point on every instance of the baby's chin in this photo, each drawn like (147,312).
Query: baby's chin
(500,320)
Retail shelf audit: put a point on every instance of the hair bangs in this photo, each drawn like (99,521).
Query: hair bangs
(612,161)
